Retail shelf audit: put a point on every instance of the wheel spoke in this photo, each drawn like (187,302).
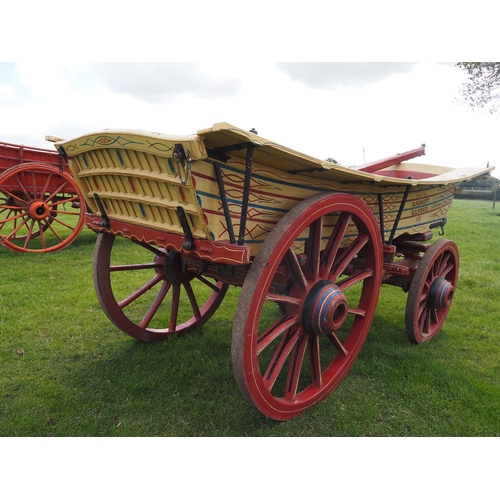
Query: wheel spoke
(60,189)
(313,249)
(151,248)
(192,300)
(274,331)
(281,354)
(16,227)
(338,344)
(33,183)
(334,243)
(176,294)
(155,305)
(283,299)
(61,222)
(297,274)
(354,279)
(21,185)
(134,267)
(30,232)
(211,285)
(9,194)
(314,361)
(141,291)
(347,255)
(46,187)
(56,234)
(295,368)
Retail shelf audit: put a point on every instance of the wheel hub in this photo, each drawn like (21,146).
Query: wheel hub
(174,268)
(38,210)
(325,308)
(440,293)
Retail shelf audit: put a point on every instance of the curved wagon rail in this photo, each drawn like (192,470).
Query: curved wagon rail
(181,218)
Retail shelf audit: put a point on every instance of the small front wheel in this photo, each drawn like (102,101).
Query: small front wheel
(431,291)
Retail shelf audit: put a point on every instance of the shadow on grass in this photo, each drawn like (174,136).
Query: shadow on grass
(183,386)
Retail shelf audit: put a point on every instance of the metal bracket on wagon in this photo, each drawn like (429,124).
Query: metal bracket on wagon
(105,220)
(440,223)
(181,158)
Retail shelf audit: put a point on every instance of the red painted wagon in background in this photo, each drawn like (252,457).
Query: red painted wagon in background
(180,218)
(41,207)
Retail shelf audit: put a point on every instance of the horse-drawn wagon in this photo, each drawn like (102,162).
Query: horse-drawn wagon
(181,218)
(41,208)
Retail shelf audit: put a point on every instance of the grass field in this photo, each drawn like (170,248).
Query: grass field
(67,371)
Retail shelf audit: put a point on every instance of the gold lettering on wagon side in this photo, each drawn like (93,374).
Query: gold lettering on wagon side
(421,210)
(418,203)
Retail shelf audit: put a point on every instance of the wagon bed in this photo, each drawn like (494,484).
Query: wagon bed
(310,243)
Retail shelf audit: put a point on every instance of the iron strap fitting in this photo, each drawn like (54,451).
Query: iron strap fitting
(61,154)
(182,158)
(440,223)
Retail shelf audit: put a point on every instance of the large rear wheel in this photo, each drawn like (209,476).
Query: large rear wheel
(307,304)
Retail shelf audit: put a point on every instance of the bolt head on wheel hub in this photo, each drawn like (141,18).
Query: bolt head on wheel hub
(325,309)
(440,293)
(38,210)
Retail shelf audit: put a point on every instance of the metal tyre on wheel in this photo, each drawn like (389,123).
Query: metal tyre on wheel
(431,291)
(41,208)
(293,345)
(145,292)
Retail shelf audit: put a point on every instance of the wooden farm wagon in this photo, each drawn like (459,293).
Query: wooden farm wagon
(41,207)
(180,218)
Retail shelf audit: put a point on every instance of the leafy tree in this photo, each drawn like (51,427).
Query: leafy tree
(482,88)
(331,160)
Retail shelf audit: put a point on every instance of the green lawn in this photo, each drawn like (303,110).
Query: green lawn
(67,371)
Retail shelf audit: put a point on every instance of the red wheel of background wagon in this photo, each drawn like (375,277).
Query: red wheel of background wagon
(41,208)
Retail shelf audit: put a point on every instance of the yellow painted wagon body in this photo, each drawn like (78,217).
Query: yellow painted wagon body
(139,180)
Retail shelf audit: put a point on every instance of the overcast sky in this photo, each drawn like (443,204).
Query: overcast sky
(347,111)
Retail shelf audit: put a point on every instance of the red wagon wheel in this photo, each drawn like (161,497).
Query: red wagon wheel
(293,346)
(431,291)
(141,289)
(41,208)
